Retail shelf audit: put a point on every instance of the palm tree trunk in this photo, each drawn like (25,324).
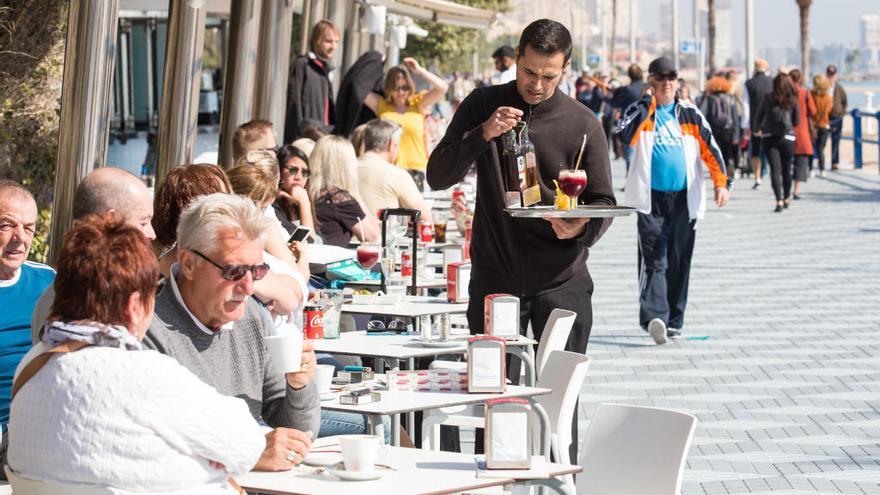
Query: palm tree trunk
(804,7)
(613,32)
(711,21)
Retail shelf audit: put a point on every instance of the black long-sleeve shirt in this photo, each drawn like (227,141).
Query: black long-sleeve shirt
(517,255)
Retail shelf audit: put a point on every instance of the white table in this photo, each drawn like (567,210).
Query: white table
(411,307)
(438,282)
(416,471)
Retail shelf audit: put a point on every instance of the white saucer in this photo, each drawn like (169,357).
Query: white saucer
(322,459)
(339,471)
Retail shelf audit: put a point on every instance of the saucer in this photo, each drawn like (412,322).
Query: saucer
(322,459)
(339,471)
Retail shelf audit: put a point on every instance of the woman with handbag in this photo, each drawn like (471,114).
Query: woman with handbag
(776,119)
(803,133)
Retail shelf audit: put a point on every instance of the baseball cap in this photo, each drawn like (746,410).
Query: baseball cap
(662,66)
(831,70)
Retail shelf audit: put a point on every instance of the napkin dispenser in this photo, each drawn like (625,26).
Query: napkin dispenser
(508,439)
(452,253)
(501,313)
(458,277)
(487,357)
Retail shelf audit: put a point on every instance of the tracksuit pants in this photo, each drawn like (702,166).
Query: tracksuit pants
(666,246)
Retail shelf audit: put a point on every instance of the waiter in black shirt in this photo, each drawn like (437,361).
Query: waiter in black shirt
(542,261)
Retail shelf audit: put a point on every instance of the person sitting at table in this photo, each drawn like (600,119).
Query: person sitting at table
(339,209)
(256,135)
(293,206)
(206,319)
(105,412)
(382,185)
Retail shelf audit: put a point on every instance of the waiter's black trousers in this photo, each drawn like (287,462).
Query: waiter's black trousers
(666,246)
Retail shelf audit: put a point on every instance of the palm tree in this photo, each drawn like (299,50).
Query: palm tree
(710,5)
(804,7)
(613,31)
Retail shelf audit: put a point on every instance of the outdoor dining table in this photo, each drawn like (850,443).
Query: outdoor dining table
(410,307)
(393,403)
(413,471)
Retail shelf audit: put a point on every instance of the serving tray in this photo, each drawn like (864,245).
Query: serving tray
(582,211)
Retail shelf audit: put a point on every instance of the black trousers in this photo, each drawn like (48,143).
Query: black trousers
(666,246)
(836,124)
(819,148)
(779,152)
(575,295)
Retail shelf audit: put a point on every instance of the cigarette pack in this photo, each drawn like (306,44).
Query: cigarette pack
(458,277)
(502,316)
(428,380)
(353,399)
(348,377)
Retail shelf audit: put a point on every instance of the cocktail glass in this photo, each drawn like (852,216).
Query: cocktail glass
(368,255)
(572,182)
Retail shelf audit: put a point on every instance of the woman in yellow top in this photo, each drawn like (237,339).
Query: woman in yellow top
(404,106)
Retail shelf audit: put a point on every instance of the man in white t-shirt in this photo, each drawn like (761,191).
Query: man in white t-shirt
(505,63)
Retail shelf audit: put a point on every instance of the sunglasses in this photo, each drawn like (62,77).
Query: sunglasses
(297,170)
(395,325)
(672,76)
(406,88)
(234,273)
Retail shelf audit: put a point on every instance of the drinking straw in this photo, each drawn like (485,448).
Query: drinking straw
(581,152)
(364,237)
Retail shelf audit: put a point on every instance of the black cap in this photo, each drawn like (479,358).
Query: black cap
(661,66)
(504,51)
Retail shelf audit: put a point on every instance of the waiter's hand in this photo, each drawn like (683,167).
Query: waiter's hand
(502,120)
(722,195)
(568,228)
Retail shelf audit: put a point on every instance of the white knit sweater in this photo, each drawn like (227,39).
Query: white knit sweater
(134,420)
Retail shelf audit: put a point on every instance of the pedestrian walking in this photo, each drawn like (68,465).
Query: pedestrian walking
(666,184)
(776,119)
(719,109)
(803,134)
(758,88)
(838,110)
(626,96)
(823,99)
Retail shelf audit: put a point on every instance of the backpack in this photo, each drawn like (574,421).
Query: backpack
(718,112)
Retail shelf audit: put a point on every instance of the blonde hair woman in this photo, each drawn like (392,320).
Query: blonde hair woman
(822,96)
(401,104)
(339,210)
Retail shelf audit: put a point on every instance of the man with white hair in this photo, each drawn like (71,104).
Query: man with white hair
(207,320)
(381,184)
(104,190)
(21,282)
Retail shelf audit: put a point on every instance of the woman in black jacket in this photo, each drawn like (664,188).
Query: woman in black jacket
(777,117)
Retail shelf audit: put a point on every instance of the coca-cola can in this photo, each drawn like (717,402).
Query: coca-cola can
(426,231)
(406,264)
(313,322)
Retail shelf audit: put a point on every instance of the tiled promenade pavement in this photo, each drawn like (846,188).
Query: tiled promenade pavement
(781,360)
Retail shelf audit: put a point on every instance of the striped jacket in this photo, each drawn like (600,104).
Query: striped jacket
(636,128)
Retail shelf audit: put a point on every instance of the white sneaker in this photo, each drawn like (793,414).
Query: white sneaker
(657,329)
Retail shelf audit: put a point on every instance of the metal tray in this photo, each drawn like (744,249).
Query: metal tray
(582,211)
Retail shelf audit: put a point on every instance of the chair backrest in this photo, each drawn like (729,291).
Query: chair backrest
(564,374)
(27,486)
(633,450)
(554,336)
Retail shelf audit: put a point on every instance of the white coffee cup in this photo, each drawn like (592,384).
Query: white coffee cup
(359,452)
(285,351)
(324,377)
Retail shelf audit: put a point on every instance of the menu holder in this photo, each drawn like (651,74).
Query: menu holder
(508,439)
(501,313)
(458,277)
(487,356)
(452,253)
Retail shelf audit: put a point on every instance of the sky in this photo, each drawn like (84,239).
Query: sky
(777,21)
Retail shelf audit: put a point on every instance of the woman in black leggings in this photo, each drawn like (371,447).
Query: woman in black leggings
(777,117)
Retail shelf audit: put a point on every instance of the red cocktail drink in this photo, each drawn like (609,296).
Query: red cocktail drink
(573,182)
(367,255)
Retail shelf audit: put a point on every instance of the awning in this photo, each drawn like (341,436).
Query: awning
(442,11)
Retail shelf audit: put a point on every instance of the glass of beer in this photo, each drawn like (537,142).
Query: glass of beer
(572,182)
(441,218)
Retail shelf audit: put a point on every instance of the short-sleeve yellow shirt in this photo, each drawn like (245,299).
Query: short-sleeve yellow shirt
(413,154)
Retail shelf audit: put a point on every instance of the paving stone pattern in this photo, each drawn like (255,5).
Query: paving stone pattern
(781,356)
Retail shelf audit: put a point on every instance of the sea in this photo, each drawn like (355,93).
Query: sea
(856,93)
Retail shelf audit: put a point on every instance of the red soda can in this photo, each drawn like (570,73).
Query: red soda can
(426,232)
(406,264)
(313,322)
(457,193)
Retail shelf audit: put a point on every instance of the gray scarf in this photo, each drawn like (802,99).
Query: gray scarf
(90,332)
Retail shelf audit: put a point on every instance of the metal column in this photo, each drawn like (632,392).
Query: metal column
(239,73)
(750,38)
(273,60)
(125,77)
(85,104)
(676,40)
(152,118)
(179,108)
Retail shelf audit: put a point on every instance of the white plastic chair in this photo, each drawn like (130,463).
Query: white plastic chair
(555,336)
(634,450)
(25,486)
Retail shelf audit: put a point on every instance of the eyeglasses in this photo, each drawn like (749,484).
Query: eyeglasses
(405,89)
(234,273)
(395,325)
(672,76)
(297,170)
